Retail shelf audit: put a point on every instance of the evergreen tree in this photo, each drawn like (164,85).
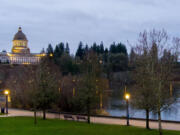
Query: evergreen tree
(101,48)
(105,56)
(118,48)
(80,51)
(49,50)
(119,62)
(61,48)
(98,49)
(112,48)
(94,47)
(56,52)
(86,49)
(67,50)
(121,48)
(67,65)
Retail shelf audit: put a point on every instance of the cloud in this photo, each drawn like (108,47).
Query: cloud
(54,21)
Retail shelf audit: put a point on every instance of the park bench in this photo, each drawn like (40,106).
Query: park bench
(80,118)
(68,117)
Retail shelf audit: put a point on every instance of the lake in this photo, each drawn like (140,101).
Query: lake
(118,108)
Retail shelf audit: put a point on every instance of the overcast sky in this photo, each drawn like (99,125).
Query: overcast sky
(54,21)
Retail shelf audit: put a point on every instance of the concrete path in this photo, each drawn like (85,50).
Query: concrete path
(102,120)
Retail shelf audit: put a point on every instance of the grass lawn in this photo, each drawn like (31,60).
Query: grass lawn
(25,126)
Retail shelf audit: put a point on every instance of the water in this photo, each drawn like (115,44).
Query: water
(117,108)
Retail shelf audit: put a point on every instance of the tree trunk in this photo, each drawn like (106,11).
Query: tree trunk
(88,111)
(159,121)
(159,110)
(88,119)
(35,119)
(147,118)
(44,114)
(59,114)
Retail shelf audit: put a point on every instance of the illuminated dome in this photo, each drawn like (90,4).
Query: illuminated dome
(20,43)
(20,35)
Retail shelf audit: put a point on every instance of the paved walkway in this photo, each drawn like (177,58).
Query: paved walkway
(103,120)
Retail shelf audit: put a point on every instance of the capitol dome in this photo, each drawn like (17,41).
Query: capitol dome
(20,43)
(20,35)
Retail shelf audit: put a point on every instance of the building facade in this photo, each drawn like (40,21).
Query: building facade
(20,53)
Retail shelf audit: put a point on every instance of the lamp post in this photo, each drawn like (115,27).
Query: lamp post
(74,82)
(127,97)
(6,93)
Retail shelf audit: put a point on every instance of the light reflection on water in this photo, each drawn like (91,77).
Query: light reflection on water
(117,108)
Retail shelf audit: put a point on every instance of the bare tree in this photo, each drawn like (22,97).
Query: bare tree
(91,91)
(45,86)
(154,67)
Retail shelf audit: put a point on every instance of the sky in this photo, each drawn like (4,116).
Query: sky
(72,21)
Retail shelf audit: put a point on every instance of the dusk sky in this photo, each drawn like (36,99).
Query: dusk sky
(54,21)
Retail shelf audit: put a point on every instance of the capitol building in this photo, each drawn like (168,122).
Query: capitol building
(20,53)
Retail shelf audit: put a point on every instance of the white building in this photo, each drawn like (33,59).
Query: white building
(20,53)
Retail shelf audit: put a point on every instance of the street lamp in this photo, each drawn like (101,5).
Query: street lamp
(6,93)
(127,97)
(51,55)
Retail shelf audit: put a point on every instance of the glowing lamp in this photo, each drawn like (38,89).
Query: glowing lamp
(6,92)
(127,96)
(51,55)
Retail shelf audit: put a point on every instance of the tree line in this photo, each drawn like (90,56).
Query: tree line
(115,58)
(79,83)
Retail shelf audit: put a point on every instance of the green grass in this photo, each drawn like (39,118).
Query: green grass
(25,126)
